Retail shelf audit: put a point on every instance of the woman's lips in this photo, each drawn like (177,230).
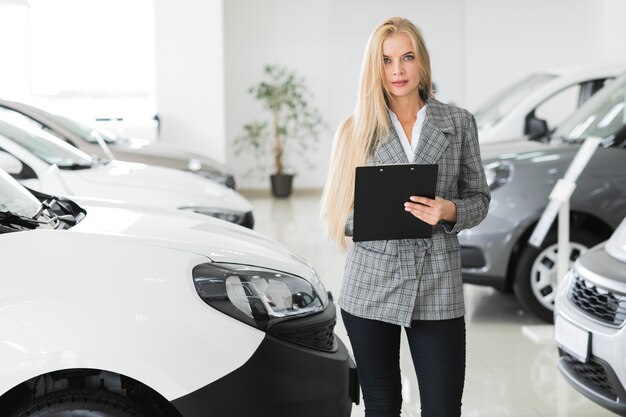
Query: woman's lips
(399,83)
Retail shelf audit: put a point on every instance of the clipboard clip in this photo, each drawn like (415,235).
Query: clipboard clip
(402,163)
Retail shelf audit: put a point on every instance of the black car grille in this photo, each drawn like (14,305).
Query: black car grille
(320,337)
(592,373)
(603,305)
(314,331)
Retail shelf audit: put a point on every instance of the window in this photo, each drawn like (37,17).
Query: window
(14,65)
(93,58)
(499,106)
(558,107)
(604,117)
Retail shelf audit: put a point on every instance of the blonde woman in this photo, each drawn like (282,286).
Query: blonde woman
(413,284)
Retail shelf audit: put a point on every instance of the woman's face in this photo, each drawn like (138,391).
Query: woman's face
(401,67)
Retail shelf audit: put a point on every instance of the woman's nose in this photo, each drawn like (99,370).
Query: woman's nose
(398,69)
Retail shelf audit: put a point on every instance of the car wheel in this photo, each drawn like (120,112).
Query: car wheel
(80,403)
(535,274)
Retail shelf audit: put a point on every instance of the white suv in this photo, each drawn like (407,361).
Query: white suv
(533,106)
(43,162)
(111,311)
(590,318)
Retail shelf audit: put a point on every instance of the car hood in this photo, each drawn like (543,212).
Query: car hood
(555,154)
(145,184)
(193,160)
(517,146)
(600,267)
(218,240)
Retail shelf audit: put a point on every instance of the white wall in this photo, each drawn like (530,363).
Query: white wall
(505,40)
(190,74)
(614,29)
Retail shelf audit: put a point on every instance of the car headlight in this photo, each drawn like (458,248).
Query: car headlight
(498,173)
(232,216)
(258,296)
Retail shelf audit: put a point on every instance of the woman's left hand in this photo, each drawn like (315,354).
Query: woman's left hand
(431,211)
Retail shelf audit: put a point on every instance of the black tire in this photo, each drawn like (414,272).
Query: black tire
(523,283)
(80,403)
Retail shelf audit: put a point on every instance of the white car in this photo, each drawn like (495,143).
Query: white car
(533,106)
(111,311)
(590,319)
(86,137)
(43,162)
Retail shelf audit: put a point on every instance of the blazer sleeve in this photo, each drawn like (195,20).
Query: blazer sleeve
(472,204)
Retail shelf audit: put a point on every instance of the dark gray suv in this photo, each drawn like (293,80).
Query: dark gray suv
(497,252)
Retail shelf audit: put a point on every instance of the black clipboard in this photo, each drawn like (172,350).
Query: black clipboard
(380,192)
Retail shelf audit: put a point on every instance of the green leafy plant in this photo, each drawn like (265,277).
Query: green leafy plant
(294,124)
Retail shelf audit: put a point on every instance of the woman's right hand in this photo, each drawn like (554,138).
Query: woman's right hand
(349,243)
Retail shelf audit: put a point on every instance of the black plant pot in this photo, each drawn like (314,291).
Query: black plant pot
(281,184)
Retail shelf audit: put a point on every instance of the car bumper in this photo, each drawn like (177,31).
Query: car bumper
(598,377)
(281,378)
(485,251)
(596,380)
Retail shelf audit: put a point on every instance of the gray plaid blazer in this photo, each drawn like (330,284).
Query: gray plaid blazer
(397,281)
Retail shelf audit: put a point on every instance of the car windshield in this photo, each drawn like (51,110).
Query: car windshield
(602,116)
(15,198)
(45,146)
(88,133)
(500,105)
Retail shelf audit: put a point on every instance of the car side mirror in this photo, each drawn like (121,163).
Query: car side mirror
(10,164)
(535,128)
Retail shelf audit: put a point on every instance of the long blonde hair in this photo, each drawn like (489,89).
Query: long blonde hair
(360,134)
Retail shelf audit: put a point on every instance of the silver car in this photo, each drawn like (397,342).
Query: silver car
(87,138)
(497,252)
(590,314)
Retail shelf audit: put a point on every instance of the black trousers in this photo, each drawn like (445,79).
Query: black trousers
(438,353)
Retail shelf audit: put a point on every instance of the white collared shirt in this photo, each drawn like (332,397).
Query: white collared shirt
(409,148)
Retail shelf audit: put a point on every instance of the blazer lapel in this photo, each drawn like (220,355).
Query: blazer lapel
(433,141)
(391,151)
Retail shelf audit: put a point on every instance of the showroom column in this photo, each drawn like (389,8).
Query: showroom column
(189,49)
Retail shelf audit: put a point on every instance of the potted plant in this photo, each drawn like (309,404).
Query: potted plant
(294,125)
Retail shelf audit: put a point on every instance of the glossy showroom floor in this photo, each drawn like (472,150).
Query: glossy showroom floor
(511,358)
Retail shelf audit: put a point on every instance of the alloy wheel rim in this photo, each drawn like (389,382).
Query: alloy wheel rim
(543,276)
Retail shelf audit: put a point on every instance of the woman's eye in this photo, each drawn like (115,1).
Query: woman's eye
(409,58)
(386,60)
